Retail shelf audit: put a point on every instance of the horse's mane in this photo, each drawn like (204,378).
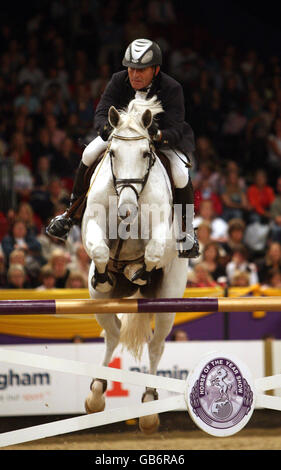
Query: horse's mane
(132,114)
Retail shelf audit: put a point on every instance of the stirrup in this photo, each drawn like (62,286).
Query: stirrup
(193,252)
(59,227)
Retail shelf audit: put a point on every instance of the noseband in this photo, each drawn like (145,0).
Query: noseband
(121,183)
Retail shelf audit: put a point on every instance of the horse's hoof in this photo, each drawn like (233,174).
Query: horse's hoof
(149,424)
(130,271)
(95,406)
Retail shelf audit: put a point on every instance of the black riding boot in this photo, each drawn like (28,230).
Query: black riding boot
(187,240)
(61,225)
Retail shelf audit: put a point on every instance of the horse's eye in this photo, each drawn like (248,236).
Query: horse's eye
(112,153)
(146,154)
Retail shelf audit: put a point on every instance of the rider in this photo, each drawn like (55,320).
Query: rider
(172,135)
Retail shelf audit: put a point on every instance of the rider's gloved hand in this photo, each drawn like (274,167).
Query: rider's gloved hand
(154,132)
(105,133)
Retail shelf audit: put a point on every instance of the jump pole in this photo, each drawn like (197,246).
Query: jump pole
(107,306)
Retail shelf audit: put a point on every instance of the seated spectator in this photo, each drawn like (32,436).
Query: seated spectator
(207,214)
(236,231)
(43,174)
(207,174)
(203,193)
(19,238)
(179,335)
(234,199)
(200,276)
(240,279)
(75,280)
(16,277)
(260,196)
(30,265)
(28,99)
(59,262)
(23,179)
(275,213)
(67,160)
(273,279)
(42,146)
(32,221)
(47,278)
(81,261)
(272,260)
(19,145)
(56,134)
(240,262)
(211,258)
(82,104)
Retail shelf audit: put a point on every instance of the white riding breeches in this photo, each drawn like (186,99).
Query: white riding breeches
(179,170)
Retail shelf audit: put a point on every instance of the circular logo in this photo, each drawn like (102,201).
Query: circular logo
(219,395)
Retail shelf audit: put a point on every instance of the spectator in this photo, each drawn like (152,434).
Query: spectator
(218,225)
(67,160)
(273,279)
(236,231)
(28,99)
(31,73)
(32,221)
(56,134)
(16,277)
(200,276)
(240,279)
(59,262)
(75,280)
(240,262)
(81,261)
(272,260)
(47,278)
(260,196)
(42,146)
(19,238)
(211,258)
(179,335)
(234,199)
(275,214)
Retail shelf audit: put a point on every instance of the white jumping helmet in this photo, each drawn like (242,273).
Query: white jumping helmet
(142,53)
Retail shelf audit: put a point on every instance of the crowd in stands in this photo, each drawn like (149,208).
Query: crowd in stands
(53,70)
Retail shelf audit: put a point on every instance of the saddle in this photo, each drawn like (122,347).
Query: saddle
(77,208)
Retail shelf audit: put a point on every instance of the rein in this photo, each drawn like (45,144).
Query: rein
(122,183)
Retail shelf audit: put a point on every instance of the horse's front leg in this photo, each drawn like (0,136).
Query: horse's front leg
(96,246)
(163,326)
(111,324)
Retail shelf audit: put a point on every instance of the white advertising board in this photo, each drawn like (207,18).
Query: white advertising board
(30,391)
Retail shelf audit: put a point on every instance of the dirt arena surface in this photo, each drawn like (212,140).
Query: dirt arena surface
(177,432)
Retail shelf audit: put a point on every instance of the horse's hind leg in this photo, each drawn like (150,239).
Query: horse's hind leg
(95,401)
(163,326)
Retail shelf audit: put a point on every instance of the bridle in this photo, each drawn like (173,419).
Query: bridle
(122,183)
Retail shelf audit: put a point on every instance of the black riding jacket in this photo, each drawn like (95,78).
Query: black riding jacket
(176,133)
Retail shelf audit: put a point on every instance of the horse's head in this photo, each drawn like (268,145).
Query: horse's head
(131,156)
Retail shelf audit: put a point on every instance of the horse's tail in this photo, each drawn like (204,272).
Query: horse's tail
(135,332)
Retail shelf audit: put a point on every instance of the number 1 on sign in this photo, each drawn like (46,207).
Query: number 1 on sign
(117,389)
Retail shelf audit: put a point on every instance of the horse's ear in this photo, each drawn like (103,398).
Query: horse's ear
(147,118)
(113,116)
